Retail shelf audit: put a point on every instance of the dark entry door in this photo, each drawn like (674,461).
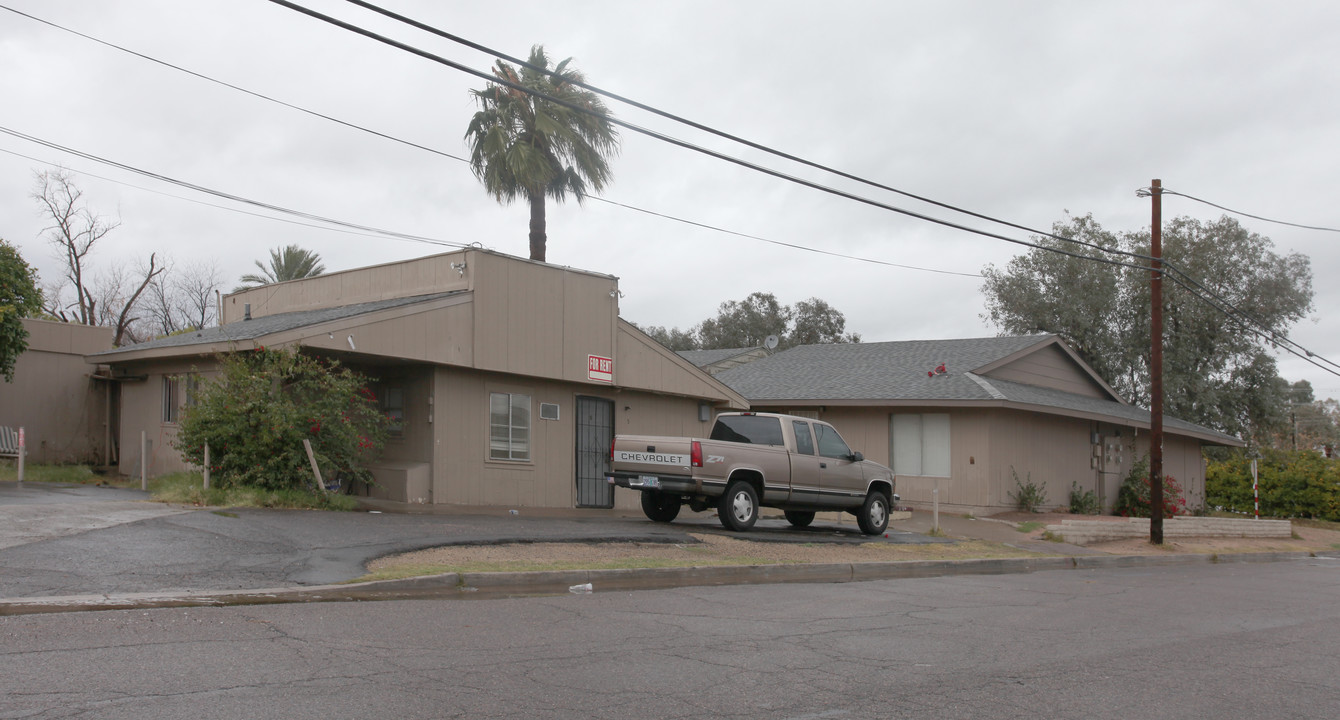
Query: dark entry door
(595,431)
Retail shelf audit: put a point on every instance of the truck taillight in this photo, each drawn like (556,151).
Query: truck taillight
(696,454)
(611,449)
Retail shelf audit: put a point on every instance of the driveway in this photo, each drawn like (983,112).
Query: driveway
(67,539)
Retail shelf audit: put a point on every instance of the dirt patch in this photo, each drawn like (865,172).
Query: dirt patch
(710,549)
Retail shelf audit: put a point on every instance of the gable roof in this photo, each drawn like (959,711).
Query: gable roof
(876,371)
(903,374)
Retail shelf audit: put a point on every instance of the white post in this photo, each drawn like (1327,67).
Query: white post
(206,466)
(935,503)
(23,450)
(1256,494)
(144,462)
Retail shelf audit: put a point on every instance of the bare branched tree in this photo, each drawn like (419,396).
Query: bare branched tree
(183,298)
(73,232)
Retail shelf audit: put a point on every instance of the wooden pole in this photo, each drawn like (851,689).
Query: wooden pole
(206,473)
(1156,366)
(144,462)
(311,457)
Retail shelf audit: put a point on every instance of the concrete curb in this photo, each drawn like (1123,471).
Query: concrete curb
(516,584)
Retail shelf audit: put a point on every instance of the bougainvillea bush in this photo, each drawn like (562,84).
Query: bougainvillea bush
(1133,495)
(255,414)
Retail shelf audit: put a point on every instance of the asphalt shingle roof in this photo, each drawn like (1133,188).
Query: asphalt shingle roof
(874,371)
(270,324)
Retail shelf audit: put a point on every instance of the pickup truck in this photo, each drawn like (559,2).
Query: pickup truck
(795,464)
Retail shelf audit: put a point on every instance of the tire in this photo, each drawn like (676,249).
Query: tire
(799,518)
(738,508)
(873,516)
(659,506)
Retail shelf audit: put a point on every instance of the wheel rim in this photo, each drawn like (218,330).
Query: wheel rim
(741,508)
(877,513)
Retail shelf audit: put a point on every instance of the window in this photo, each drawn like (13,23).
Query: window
(171,398)
(192,389)
(751,429)
(920,444)
(804,443)
(509,426)
(831,444)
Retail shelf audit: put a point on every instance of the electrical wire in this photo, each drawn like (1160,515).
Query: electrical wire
(199,202)
(442,153)
(1166,191)
(681,143)
(228,196)
(1187,281)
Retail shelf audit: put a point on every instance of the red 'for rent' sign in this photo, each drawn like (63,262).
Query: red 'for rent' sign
(600,368)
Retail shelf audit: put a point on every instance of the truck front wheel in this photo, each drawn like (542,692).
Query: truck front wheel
(738,509)
(659,506)
(873,516)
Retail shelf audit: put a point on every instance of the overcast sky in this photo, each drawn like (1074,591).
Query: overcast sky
(1020,110)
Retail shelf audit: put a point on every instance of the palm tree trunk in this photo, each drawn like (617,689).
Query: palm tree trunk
(537,234)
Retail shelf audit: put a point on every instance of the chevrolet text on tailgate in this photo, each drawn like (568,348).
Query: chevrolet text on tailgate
(795,464)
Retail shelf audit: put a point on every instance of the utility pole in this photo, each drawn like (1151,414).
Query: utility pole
(1156,365)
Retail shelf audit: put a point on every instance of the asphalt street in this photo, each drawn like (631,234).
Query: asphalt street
(1224,641)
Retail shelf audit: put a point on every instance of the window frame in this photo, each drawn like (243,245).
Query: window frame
(933,448)
(513,454)
(171,400)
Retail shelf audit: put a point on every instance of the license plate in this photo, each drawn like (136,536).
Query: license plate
(649,480)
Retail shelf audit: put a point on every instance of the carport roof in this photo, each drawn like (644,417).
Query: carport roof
(267,325)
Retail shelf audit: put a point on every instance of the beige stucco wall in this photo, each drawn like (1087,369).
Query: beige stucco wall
(986,443)
(53,397)
(464,475)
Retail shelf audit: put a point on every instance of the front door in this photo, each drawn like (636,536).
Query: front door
(595,432)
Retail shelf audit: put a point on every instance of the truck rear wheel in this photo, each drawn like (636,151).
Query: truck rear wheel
(873,517)
(659,506)
(738,508)
(799,518)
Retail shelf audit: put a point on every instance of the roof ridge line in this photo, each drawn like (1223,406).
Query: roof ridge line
(988,387)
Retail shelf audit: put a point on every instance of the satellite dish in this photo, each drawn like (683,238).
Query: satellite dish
(771,342)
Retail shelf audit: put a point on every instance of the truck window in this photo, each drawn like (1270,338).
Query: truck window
(750,429)
(831,444)
(804,443)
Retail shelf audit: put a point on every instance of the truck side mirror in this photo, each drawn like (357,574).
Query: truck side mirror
(857,457)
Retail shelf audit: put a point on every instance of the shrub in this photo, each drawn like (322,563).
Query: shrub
(1299,483)
(264,403)
(1083,502)
(1031,496)
(1133,495)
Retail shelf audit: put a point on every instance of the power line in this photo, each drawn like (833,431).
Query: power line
(711,130)
(1254,217)
(199,202)
(686,145)
(228,196)
(441,153)
(1273,337)
(683,143)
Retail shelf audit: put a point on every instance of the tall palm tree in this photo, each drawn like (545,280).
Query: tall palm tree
(288,263)
(524,146)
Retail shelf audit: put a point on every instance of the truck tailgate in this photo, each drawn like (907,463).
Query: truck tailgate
(651,455)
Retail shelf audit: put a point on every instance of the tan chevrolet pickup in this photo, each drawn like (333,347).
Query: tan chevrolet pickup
(795,464)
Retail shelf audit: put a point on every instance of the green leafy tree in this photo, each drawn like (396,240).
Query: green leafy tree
(1215,372)
(749,322)
(525,146)
(264,403)
(19,298)
(287,263)
(746,323)
(673,338)
(815,322)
